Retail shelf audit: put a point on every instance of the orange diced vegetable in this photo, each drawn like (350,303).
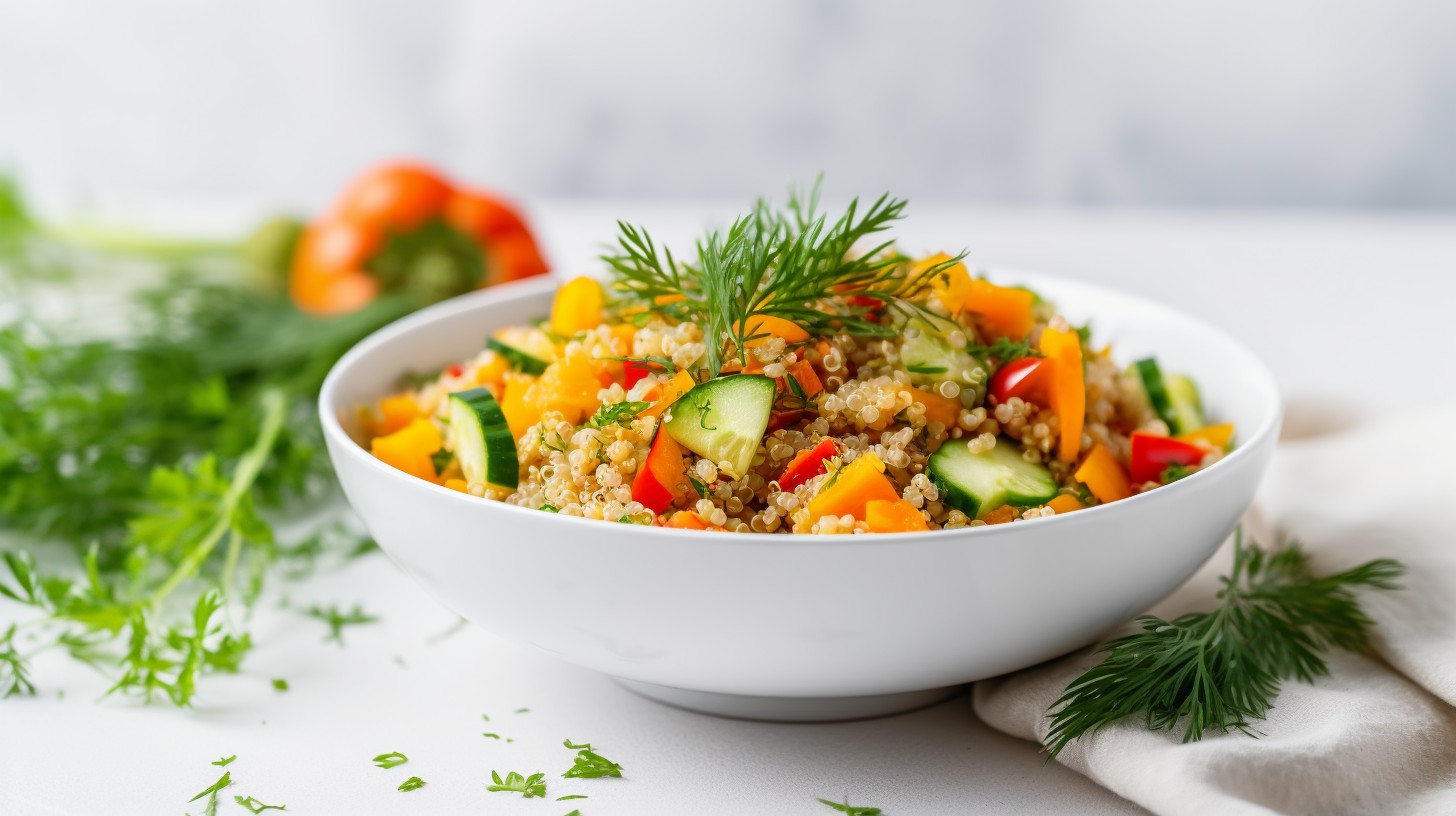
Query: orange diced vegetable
(686,520)
(394,413)
(1104,475)
(1216,437)
(569,385)
(1064,503)
(1068,388)
(577,307)
(897,516)
(668,392)
(937,408)
(457,484)
(409,448)
(517,403)
(1004,310)
(770,326)
(491,372)
(951,286)
(663,477)
(804,374)
(622,336)
(807,464)
(856,484)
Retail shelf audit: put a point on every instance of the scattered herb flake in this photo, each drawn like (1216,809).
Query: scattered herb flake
(589,764)
(255,806)
(619,413)
(222,782)
(571,796)
(279,684)
(852,810)
(1174,472)
(413,783)
(337,619)
(390,760)
(527,786)
(225,761)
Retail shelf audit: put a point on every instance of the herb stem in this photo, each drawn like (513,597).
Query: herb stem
(250,464)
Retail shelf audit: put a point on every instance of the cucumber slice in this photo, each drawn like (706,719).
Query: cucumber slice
(1174,399)
(1186,404)
(926,354)
(723,420)
(482,440)
(518,360)
(977,483)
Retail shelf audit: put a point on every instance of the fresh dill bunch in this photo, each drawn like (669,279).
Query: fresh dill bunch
(795,264)
(1214,672)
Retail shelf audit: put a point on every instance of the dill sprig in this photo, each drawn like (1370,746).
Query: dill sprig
(795,264)
(1217,671)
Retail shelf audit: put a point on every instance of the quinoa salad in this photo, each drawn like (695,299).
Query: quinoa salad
(797,373)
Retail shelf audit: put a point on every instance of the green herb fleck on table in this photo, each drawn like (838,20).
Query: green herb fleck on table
(522,711)
(254,806)
(852,810)
(1215,672)
(279,684)
(413,783)
(589,764)
(390,760)
(527,786)
(222,782)
(571,796)
(225,761)
(337,620)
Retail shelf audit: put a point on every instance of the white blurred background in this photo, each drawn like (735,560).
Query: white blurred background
(1292,103)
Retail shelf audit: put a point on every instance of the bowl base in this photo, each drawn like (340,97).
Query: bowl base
(789,709)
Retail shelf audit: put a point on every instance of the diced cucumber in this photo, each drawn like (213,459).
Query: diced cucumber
(1174,399)
(977,483)
(930,358)
(1186,404)
(723,420)
(518,360)
(482,440)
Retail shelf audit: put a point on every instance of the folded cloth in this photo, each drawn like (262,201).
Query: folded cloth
(1376,736)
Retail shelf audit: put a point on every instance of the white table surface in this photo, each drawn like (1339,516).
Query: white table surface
(1335,303)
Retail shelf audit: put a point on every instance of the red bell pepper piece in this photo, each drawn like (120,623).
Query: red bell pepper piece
(1152,454)
(873,306)
(807,464)
(663,476)
(1024,378)
(633,371)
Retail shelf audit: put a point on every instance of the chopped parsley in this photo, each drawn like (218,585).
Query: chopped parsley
(852,810)
(337,620)
(699,486)
(390,760)
(413,783)
(255,806)
(548,507)
(617,413)
(225,761)
(222,782)
(279,684)
(571,796)
(589,764)
(1174,472)
(527,786)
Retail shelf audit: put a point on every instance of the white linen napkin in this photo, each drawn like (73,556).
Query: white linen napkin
(1376,736)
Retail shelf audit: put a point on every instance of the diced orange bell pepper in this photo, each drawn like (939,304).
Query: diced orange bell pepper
(1065,503)
(1104,475)
(668,392)
(857,484)
(944,410)
(395,412)
(569,385)
(898,516)
(517,403)
(409,448)
(1068,388)
(770,326)
(577,307)
(951,286)
(1216,437)
(804,374)
(663,477)
(457,484)
(686,520)
(1004,310)
(493,371)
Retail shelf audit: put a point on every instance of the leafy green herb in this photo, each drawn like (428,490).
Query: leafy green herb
(490,735)
(698,486)
(222,782)
(279,684)
(225,761)
(1173,473)
(574,813)
(14,671)
(522,711)
(413,783)
(527,786)
(651,360)
(441,459)
(548,507)
(1004,349)
(571,796)
(390,760)
(619,413)
(790,263)
(588,764)
(337,619)
(255,806)
(1222,669)
(852,810)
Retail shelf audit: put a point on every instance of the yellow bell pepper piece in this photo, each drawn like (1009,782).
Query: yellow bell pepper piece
(1216,437)
(951,286)
(409,449)
(577,307)
(857,484)
(395,412)
(1104,476)
(1068,388)
(518,403)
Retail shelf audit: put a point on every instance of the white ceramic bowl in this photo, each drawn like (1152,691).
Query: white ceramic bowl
(799,627)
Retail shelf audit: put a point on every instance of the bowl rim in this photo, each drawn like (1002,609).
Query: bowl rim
(471,301)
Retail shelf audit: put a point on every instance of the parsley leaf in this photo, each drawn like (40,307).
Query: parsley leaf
(527,786)
(413,783)
(225,761)
(589,764)
(390,760)
(1173,473)
(852,810)
(222,782)
(337,620)
(620,413)
(255,806)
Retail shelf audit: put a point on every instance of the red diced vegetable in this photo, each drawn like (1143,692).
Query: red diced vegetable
(663,477)
(807,464)
(1152,454)
(1025,378)
(633,371)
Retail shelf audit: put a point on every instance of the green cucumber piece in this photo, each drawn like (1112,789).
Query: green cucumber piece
(723,420)
(518,360)
(977,483)
(926,353)
(1174,399)
(1186,404)
(482,440)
